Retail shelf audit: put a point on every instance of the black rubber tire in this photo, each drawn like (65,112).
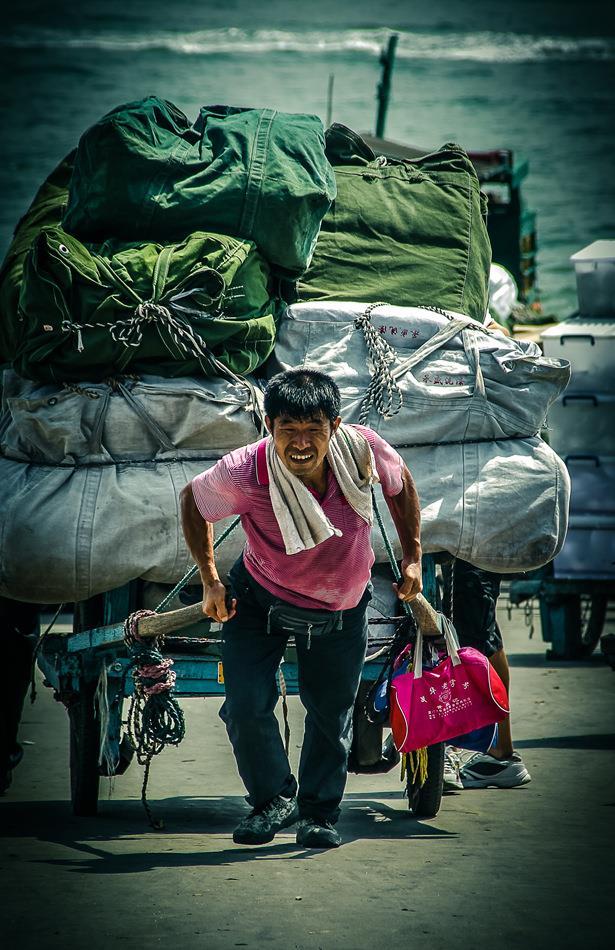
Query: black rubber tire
(84,750)
(581,620)
(425,802)
(84,725)
(593,615)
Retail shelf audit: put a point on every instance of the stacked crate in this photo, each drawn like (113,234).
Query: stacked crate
(582,421)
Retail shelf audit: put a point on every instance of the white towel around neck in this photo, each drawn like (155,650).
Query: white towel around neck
(301,520)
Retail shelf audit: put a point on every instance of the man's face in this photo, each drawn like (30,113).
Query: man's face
(302,444)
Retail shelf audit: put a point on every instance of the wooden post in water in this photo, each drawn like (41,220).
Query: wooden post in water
(330,100)
(387,58)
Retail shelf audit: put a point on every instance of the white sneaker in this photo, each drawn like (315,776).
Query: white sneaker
(483,771)
(452,765)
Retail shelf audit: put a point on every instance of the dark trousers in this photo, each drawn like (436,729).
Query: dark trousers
(475,596)
(329,673)
(19,626)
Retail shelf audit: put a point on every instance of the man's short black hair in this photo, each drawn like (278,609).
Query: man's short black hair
(302,393)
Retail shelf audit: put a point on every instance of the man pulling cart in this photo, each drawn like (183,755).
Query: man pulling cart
(304,498)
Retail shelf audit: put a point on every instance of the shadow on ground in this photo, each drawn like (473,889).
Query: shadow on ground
(597,741)
(124,821)
(536,660)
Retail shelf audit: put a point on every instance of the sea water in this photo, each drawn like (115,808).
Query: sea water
(535,77)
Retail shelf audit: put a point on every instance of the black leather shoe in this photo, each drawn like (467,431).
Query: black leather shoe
(262,825)
(317,833)
(6,769)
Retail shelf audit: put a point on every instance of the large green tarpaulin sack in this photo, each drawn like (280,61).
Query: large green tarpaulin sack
(143,172)
(93,312)
(47,208)
(409,233)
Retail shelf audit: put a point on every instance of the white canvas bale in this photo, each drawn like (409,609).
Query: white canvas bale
(458,382)
(153,418)
(70,532)
(502,506)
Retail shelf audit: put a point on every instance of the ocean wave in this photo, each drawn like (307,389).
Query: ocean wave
(485,46)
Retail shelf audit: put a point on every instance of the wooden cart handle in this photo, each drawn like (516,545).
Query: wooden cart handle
(425,616)
(157,625)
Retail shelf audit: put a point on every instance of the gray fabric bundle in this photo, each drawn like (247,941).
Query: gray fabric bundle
(70,532)
(90,478)
(502,505)
(453,380)
(134,421)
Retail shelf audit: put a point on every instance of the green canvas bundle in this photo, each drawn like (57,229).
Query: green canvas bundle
(409,233)
(143,172)
(47,208)
(93,312)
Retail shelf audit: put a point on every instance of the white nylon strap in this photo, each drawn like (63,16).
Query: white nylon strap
(460,325)
(452,646)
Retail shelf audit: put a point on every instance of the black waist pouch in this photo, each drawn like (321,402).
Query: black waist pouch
(286,620)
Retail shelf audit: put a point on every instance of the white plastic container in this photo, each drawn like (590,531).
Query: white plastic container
(592,483)
(582,424)
(589,346)
(594,267)
(589,548)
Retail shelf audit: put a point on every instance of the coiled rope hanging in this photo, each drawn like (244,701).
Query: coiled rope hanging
(155,718)
(383,393)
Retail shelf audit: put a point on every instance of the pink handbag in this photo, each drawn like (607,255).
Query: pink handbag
(461,693)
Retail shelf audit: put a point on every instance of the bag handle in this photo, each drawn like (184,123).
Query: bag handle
(161,272)
(164,441)
(470,344)
(452,646)
(443,335)
(99,422)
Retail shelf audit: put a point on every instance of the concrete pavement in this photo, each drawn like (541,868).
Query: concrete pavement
(528,868)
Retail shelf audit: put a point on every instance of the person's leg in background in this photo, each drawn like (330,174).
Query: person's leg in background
(19,623)
(470,599)
(503,749)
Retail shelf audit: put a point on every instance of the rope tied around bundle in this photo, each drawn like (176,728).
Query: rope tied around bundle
(383,393)
(155,718)
(149,312)
(175,331)
(129,332)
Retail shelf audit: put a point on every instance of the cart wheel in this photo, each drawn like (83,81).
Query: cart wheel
(84,749)
(574,625)
(425,802)
(593,615)
(84,725)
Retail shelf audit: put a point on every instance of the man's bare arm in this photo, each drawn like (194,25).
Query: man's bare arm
(406,514)
(199,535)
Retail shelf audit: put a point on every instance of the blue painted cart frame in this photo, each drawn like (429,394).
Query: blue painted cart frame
(72,665)
(573,611)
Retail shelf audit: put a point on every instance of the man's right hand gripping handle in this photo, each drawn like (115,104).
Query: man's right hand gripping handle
(199,535)
(216,603)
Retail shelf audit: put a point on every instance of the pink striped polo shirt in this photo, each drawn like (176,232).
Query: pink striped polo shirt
(331,576)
